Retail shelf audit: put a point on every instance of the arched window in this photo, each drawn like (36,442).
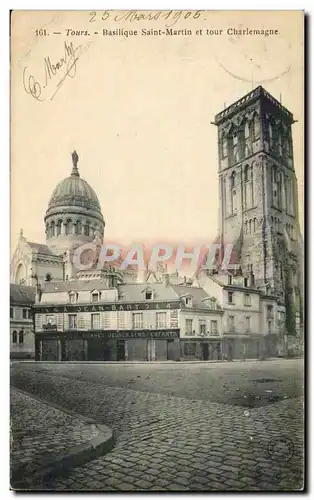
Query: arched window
(224,146)
(21,337)
(254,225)
(52,229)
(14,337)
(69,226)
(58,227)
(250,226)
(86,229)
(232,179)
(270,134)
(279,138)
(245,227)
(247,130)
(246,173)
(256,127)
(235,147)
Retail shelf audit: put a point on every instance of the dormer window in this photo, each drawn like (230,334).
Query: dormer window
(73,296)
(188,301)
(95,296)
(148,294)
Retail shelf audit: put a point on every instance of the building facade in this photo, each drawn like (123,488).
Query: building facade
(258,203)
(253,324)
(99,320)
(22,339)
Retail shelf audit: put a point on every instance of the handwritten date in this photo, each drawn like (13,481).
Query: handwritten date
(134,15)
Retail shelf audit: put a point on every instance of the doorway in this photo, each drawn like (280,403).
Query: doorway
(205,350)
(120,350)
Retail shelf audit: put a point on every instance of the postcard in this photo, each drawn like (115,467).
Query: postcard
(157,243)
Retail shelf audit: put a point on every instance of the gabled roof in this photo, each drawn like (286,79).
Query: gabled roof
(22,294)
(41,249)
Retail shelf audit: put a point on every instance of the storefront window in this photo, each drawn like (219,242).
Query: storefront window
(190,349)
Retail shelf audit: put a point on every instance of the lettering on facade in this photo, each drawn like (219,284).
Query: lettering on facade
(108,307)
(114,335)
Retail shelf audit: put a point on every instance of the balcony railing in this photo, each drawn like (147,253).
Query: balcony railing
(50,327)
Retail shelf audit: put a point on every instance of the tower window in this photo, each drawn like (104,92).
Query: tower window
(78,227)
(246,130)
(58,228)
(256,127)
(224,146)
(246,173)
(235,147)
(87,229)
(270,134)
(233,176)
(14,337)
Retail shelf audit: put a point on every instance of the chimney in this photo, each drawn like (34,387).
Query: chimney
(113,280)
(166,279)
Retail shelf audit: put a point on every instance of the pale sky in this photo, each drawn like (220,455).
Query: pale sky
(138,113)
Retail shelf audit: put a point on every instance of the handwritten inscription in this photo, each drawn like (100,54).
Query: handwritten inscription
(131,16)
(55,72)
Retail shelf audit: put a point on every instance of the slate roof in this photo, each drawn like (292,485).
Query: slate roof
(22,294)
(196,293)
(77,285)
(133,292)
(42,249)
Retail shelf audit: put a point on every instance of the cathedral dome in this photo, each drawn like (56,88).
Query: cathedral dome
(74,214)
(74,191)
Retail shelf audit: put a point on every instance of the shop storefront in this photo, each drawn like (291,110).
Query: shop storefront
(243,347)
(127,345)
(201,349)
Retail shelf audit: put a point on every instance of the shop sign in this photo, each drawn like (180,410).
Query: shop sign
(132,306)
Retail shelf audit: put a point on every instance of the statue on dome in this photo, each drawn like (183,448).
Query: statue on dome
(75,158)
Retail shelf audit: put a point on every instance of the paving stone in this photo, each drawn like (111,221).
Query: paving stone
(178,437)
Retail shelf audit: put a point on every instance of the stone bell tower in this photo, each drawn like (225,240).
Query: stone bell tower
(258,210)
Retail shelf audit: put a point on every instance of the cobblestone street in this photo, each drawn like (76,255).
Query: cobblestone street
(181,426)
